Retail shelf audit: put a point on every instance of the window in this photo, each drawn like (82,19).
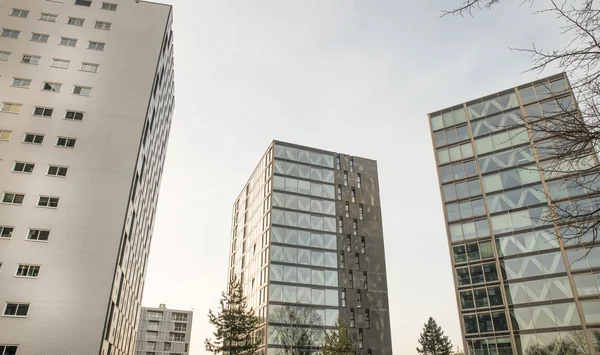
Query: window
(89,67)
(33,138)
(355,226)
(87,3)
(21,83)
(351,278)
(75,21)
(358,181)
(49,86)
(19,13)
(28,270)
(109,6)
(12,198)
(101,25)
(11,108)
(5,135)
(60,63)
(21,167)
(181,317)
(347,208)
(66,142)
(353,195)
(46,201)
(367,318)
(356,261)
(167,346)
(360,338)
(43,111)
(180,327)
(340,225)
(150,335)
(365,281)
(97,46)
(6,232)
(342,265)
(9,33)
(155,315)
(352,324)
(4,55)
(74,115)
(38,37)
(57,170)
(343,297)
(339,192)
(345,178)
(38,234)
(82,90)
(30,59)
(363,245)
(358,299)
(360,211)
(176,337)
(338,164)
(69,42)
(48,17)
(352,164)
(8,349)
(348,243)
(16,309)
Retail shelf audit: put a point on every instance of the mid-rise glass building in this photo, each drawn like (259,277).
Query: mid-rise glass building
(307,245)
(520,288)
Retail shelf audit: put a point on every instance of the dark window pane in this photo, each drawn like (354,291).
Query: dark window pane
(495,298)
(460,255)
(459,172)
(463,276)
(466,300)
(476,274)
(481,299)
(471,324)
(500,322)
(470,168)
(491,273)
(485,323)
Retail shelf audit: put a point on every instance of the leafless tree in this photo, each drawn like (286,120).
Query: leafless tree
(565,135)
(294,328)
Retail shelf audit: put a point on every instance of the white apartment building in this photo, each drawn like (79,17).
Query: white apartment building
(86,101)
(164,331)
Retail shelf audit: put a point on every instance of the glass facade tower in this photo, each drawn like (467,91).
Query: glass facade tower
(520,288)
(307,244)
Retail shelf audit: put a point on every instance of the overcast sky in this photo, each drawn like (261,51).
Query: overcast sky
(356,77)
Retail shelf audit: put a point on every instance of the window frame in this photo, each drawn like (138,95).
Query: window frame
(69,41)
(30,267)
(51,84)
(3,231)
(77,21)
(67,140)
(61,61)
(15,194)
(12,105)
(109,6)
(20,12)
(30,56)
(81,89)
(74,115)
(49,16)
(39,233)
(104,25)
(8,132)
(34,136)
(44,109)
(25,164)
(50,201)
(58,169)
(94,46)
(89,64)
(41,36)
(12,33)
(5,55)
(18,304)
(29,81)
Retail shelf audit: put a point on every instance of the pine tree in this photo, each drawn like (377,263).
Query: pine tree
(339,342)
(234,324)
(433,341)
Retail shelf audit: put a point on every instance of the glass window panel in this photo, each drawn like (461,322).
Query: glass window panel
(291,202)
(290,273)
(474,187)
(566,314)
(276,272)
(478,207)
(304,238)
(466,150)
(316,206)
(329,207)
(303,256)
(470,168)
(316,222)
(537,291)
(462,190)
(290,236)
(328,176)
(315,158)
(460,255)
(473,252)
(275,292)
(437,123)
(327,160)
(276,253)
(485,323)
(443,156)
(521,319)
(446,174)
(466,211)
(304,220)
(316,174)
(331,278)
(481,299)
(492,183)
(318,277)
(449,192)
(318,297)
(456,233)
(291,218)
(331,298)
(331,317)
(316,189)
(439,138)
(304,295)
(586,285)
(328,191)
(484,145)
(532,266)
(277,234)
(463,276)
(291,169)
(451,136)
(512,269)
(290,294)
(471,324)
(495,296)
(290,255)
(501,140)
(482,227)
(303,156)
(317,258)
(279,151)
(490,272)
(291,153)
(329,224)
(476,274)
(553,263)
(459,115)
(486,250)
(278,199)
(448,119)
(303,172)
(466,299)
(279,182)
(279,166)
(516,293)
(453,212)
(291,185)
(591,311)
(304,203)
(304,275)
(316,240)
(304,187)
(500,322)
(560,288)
(458,171)
(455,153)
(330,259)
(469,230)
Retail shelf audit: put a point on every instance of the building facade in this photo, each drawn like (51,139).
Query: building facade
(519,288)
(307,245)
(86,100)
(164,331)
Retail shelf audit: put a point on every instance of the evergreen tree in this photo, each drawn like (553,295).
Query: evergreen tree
(234,324)
(339,342)
(433,341)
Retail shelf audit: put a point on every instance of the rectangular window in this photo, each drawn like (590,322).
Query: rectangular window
(43,111)
(19,13)
(66,142)
(11,108)
(360,338)
(89,67)
(348,243)
(5,135)
(342,264)
(180,317)
(13,198)
(153,325)
(367,318)
(338,164)
(155,315)
(39,37)
(343,297)
(339,192)
(358,181)
(4,55)
(8,349)
(50,86)
(363,245)
(16,309)
(352,323)
(340,225)
(356,261)
(180,327)
(351,278)
(75,21)
(353,195)
(38,234)
(360,211)
(345,178)
(28,270)
(74,115)
(366,281)
(101,25)
(109,6)
(21,83)
(48,17)
(69,42)
(9,33)
(87,3)
(33,138)
(60,63)
(97,46)
(6,232)
(54,170)
(46,201)
(347,208)
(358,299)
(176,337)
(21,167)
(355,226)
(31,59)
(82,90)
(352,164)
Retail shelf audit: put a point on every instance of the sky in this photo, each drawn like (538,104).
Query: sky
(355,77)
